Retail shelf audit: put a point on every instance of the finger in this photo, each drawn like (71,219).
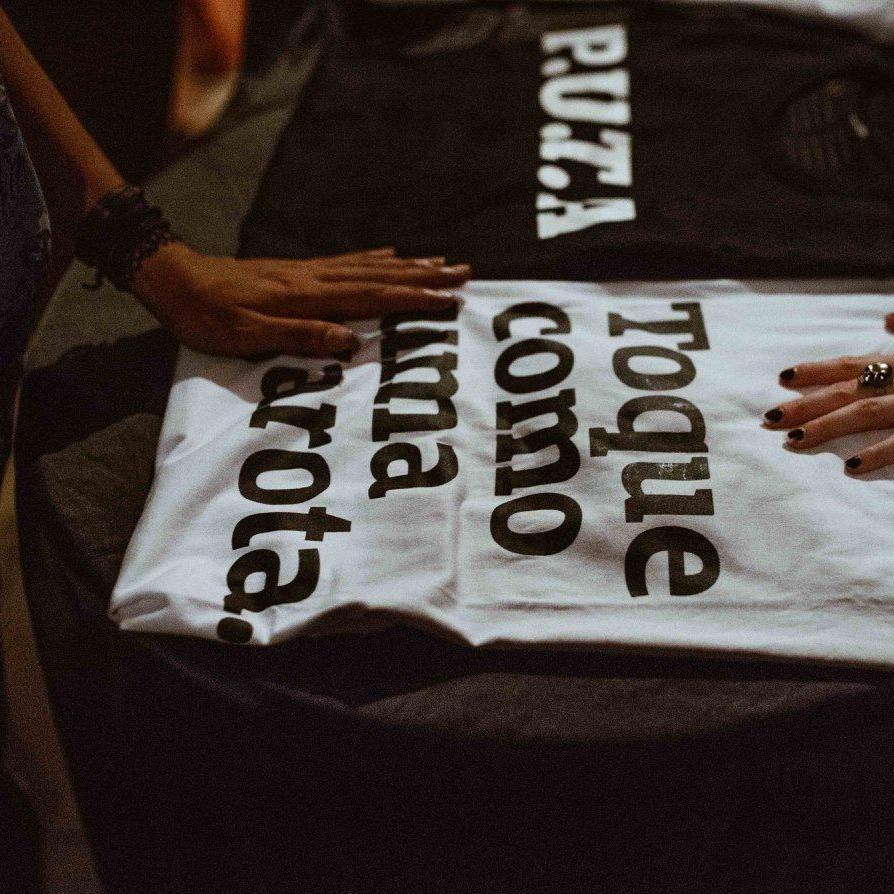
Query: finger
(432,277)
(362,301)
(305,338)
(811,406)
(825,372)
(867,414)
(338,269)
(386,252)
(375,262)
(872,458)
(372,256)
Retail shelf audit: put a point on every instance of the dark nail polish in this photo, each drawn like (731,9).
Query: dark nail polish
(773,415)
(787,375)
(796,434)
(854,462)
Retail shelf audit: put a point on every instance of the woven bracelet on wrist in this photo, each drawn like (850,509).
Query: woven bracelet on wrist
(118,234)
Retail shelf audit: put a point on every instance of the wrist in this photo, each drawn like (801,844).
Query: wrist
(172,262)
(168,272)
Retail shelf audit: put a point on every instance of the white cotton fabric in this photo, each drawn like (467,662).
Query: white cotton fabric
(806,562)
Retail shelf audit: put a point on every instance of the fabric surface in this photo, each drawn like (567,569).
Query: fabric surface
(394,760)
(24,236)
(24,252)
(872,18)
(553,464)
(582,142)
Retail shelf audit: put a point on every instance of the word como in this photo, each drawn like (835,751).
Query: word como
(584,87)
(558,435)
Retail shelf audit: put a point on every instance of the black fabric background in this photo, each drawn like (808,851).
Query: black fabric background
(397,762)
(421,130)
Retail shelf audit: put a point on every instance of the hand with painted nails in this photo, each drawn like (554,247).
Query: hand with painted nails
(240,307)
(842,402)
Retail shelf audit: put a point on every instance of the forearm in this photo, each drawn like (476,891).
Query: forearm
(74,172)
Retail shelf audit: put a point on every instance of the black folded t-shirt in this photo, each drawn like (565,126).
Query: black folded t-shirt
(591,141)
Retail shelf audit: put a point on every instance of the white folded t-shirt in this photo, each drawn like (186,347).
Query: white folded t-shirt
(561,464)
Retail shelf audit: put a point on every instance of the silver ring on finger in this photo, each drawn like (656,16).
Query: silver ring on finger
(875,375)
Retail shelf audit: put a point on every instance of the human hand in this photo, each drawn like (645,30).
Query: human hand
(840,406)
(241,307)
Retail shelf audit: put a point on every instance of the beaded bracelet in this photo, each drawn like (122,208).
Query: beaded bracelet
(118,234)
